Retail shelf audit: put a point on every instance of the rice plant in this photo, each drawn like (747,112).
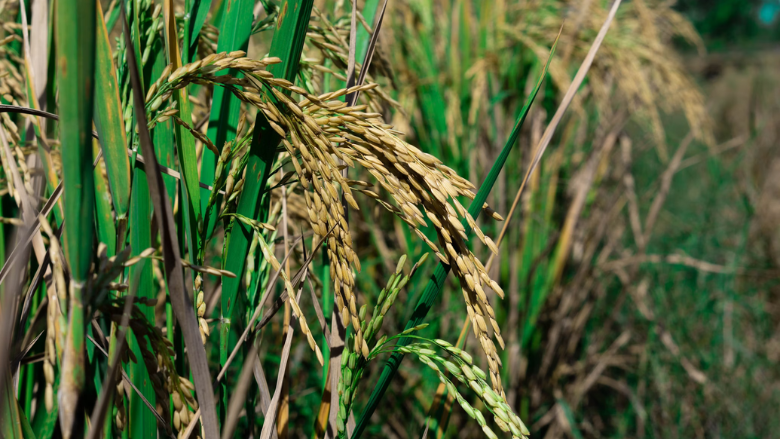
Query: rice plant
(186,184)
(200,154)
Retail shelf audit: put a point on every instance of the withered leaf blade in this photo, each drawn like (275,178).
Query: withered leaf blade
(180,301)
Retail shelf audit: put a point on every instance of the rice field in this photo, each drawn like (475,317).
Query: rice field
(329,219)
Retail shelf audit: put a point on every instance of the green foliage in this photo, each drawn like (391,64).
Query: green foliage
(726,24)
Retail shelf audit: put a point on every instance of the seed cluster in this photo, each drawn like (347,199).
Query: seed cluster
(319,130)
(331,41)
(463,370)
(12,82)
(352,364)
(168,385)
(55,314)
(157,354)
(156,350)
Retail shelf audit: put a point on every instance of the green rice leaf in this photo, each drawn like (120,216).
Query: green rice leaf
(225,107)
(76,67)
(185,143)
(108,121)
(196,16)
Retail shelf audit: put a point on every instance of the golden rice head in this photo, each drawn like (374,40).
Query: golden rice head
(318,131)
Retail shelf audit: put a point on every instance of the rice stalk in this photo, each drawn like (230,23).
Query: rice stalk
(75,60)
